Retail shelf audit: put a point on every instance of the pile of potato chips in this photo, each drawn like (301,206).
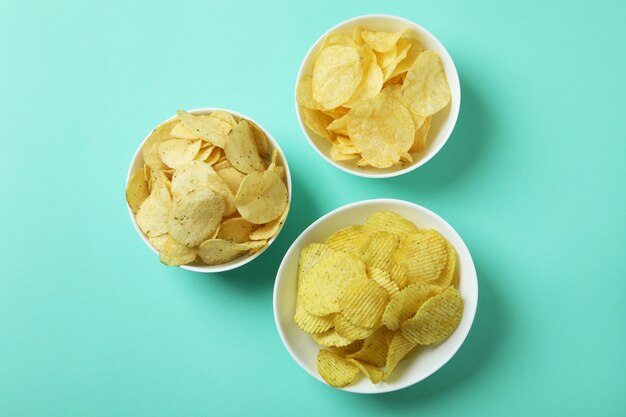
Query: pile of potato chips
(373,293)
(208,189)
(372,95)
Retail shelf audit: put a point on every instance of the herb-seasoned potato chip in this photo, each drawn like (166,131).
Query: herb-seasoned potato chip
(349,330)
(422,255)
(331,338)
(426,89)
(171,252)
(231,177)
(313,324)
(153,213)
(335,369)
(262,197)
(195,216)
(236,230)
(337,73)
(349,239)
(181,132)
(383,278)
(363,302)
(447,274)
(241,149)
(374,348)
(388,221)
(211,129)
(406,304)
(269,230)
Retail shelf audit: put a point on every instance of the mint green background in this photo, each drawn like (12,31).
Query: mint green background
(533,178)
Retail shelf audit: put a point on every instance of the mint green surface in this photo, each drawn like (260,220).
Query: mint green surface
(533,179)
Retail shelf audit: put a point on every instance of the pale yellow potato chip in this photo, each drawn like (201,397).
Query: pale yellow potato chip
(337,73)
(381,41)
(211,129)
(349,330)
(447,274)
(338,155)
(379,253)
(396,273)
(225,117)
(176,152)
(231,177)
(422,255)
(312,324)
(337,38)
(316,121)
(381,129)
(153,213)
(336,113)
(335,370)
(412,53)
(349,349)
(402,50)
(374,350)
(195,216)
(236,229)
(388,221)
(150,149)
(171,252)
(438,317)
(383,278)
(330,338)
(372,372)
(304,93)
(363,302)
(311,255)
(241,149)
(205,152)
(198,175)
(372,81)
(262,197)
(260,138)
(181,132)
(356,35)
(136,190)
(399,347)
(269,230)
(406,304)
(349,239)
(425,88)
(421,134)
(219,251)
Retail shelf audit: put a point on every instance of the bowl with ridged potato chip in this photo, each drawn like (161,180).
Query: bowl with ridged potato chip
(375,296)
(377,96)
(208,190)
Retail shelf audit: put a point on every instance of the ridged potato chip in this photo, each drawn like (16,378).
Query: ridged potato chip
(422,255)
(152,216)
(406,304)
(136,190)
(348,349)
(388,221)
(349,239)
(399,347)
(447,274)
(176,152)
(211,129)
(425,88)
(337,73)
(195,216)
(383,278)
(436,319)
(241,149)
(171,252)
(345,328)
(380,251)
(219,251)
(236,230)
(372,372)
(262,197)
(331,339)
(374,350)
(335,369)
(313,324)
(363,302)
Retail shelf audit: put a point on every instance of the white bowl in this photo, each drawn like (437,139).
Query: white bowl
(198,266)
(430,358)
(442,123)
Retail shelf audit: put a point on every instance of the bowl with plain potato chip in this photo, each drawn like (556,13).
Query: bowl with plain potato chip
(208,190)
(377,96)
(375,296)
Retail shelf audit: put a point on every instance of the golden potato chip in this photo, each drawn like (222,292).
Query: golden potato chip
(384,59)
(337,73)
(363,302)
(399,347)
(383,278)
(425,88)
(150,149)
(181,132)
(261,140)
(381,129)
(396,273)
(406,304)
(438,317)
(336,370)
(422,255)
(421,134)
(372,372)
(313,324)
(304,93)
(231,177)
(338,155)
(349,330)
(322,285)
(381,41)
(311,255)
(349,239)
(455,279)
(269,230)
(337,38)
(211,129)
(380,251)
(356,35)
(195,216)
(412,53)
(316,121)
(236,230)
(153,213)
(219,251)
(198,175)
(225,117)
(374,350)
(136,190)
(349,349)
(336,113)
(171,252)
(176,152)
(447,274)
(205,152)
(339,124)
(372,81)
(241,149)
(389,221)
(330,338)
(402,50)
(215,155)
(262,197)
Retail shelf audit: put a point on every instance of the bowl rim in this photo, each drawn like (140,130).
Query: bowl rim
(470,313)
(454,114)
(237,262)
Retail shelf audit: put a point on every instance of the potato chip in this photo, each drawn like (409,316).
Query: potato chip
(381,129)
(324,284)
(425,88)
(231,177)
(337,155)
(349,239)
(241,149)
(171,252)
(176,152)
(335,370)
(304,93)
(225,117)
(372,372)
(374,350)
(381,41)
(383,278)
(356,35)
(372,81)
(402,50)
(150,149)
(269,230)
(219,251)
(399,347)
(313,324)
(181,132)
(211,129)
(349,349)
(345,328)
(337,73)
(153,213)
(413,52)
(389,221)
(384,59)
(421,134)
(136,190)
(197,175)
(337,38)
(331,338)
(205,152)
(261,140)
(236,230)
(262,197)
(311,255)
(447,274)
(422,255)
(363,302)
(396,273)
(195,216)
(380,251)
(215,155)
(316,121)
(406,304)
